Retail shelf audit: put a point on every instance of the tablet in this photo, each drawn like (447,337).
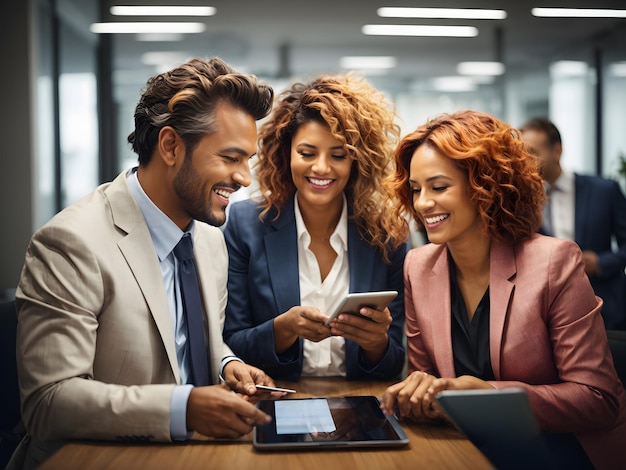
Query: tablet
(309,423)
(500,423)
(353,302)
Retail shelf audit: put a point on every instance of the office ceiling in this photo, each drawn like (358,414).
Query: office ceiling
(283,39)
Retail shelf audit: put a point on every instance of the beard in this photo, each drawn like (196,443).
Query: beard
(196,196)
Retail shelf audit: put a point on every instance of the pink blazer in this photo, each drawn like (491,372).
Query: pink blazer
(546,336)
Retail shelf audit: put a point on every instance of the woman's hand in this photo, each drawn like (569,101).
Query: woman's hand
(464,382)
(406,398)
(414,398)
(299,322)
(370,332)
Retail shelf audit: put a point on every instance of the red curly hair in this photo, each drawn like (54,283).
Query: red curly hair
(505,185)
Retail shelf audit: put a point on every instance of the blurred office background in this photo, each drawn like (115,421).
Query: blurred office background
(69,89)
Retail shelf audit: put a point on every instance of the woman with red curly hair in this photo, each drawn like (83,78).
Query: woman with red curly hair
(324,226)
(492,304)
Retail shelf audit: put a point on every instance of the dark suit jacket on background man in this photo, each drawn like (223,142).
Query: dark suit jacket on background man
(600,212)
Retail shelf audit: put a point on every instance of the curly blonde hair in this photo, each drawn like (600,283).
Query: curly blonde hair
(505,185)
(362,119)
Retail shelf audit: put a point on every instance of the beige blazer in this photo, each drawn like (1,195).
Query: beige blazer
(96,353)
(546,335)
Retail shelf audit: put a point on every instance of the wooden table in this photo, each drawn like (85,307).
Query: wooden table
(430,447)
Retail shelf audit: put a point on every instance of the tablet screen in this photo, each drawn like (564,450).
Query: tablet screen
(311,422)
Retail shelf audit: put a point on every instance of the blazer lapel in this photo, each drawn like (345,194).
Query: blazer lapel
(360,259)
(437,290)
(281,242)
(141,257)
(503,268)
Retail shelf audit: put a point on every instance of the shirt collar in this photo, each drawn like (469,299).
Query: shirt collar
(164,232)
(339,237)
(564,182)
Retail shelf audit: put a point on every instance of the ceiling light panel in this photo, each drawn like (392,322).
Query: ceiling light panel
(446,13)
(367,62)
(568,68)
(578,13)
(165,57)
(147,27)
(453,84)
(480,68)
(618,69)
(419,30)
(162,11)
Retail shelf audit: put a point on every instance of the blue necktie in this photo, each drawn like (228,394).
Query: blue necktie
(193,312)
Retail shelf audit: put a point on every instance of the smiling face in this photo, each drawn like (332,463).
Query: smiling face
(441,197)
(320,167)
(217,166)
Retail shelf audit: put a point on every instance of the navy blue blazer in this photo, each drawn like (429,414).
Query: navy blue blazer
(263,282)
(600,215)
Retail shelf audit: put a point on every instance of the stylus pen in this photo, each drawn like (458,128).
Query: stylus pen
(274,389)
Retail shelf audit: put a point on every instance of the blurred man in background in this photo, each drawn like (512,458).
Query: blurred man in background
(590,210)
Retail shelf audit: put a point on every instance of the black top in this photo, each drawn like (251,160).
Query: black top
(470,339)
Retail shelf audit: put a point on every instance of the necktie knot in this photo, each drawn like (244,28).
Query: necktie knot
(184,249)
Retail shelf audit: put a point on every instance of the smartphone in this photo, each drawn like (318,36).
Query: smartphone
(353,302)
(266,388)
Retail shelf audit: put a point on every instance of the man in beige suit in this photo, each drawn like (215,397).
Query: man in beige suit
(102,334)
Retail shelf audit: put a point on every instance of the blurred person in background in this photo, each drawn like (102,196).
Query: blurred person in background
(589,210)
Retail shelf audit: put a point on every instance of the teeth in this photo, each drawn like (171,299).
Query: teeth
(223,193)
(434,220)
(320,182)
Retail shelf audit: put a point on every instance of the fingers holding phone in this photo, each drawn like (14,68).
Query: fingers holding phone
(354,302)
(299,322)
(365,319)
(368,330)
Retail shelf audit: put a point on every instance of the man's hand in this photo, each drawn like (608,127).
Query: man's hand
(592,263)
(242,378)
(216,411)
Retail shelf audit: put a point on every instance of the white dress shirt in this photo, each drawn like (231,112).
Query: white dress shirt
(562,196)
(327,357)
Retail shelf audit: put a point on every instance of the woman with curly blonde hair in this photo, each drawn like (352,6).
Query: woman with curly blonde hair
(324,226)
(492,304)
